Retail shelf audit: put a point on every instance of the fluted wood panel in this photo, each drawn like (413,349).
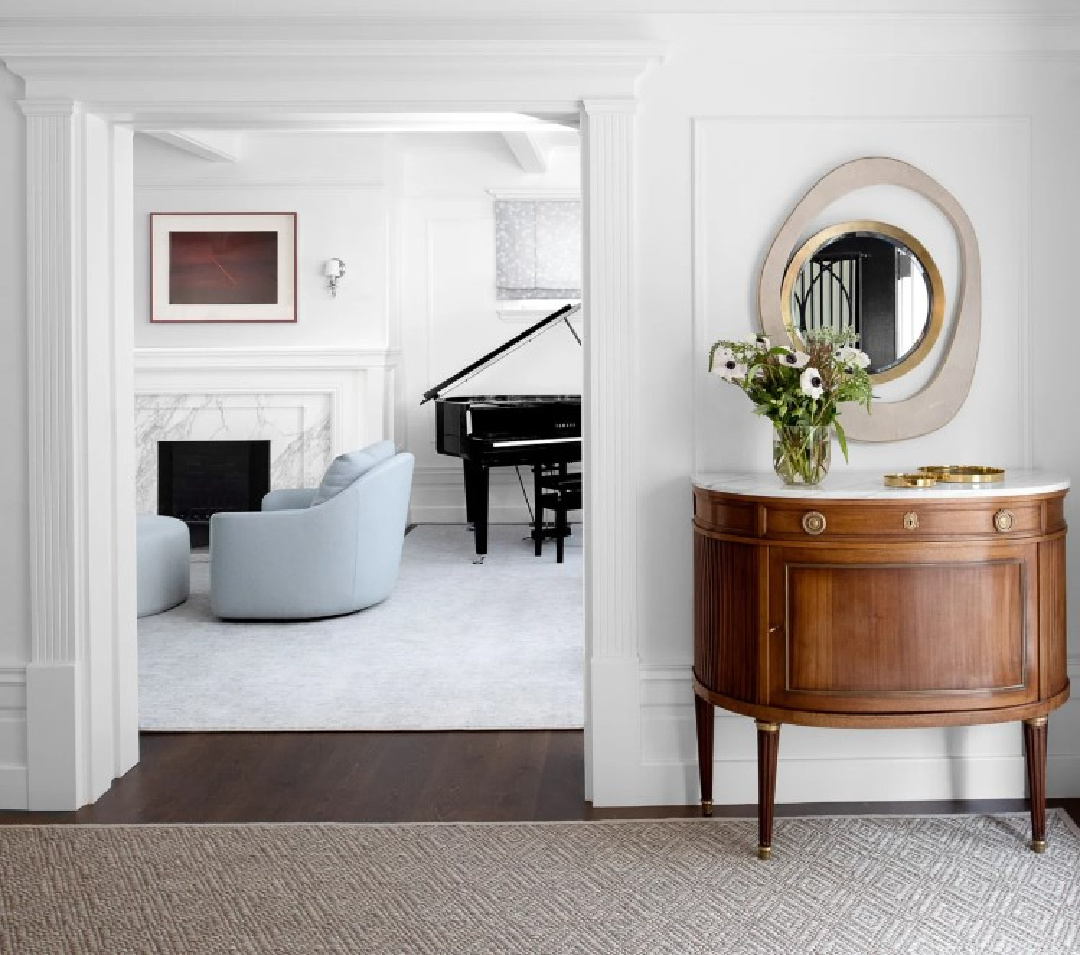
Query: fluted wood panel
(55,378)
(1053,630)
(725,618)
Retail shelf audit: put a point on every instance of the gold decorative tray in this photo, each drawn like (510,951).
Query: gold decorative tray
(963,473)
(910,480)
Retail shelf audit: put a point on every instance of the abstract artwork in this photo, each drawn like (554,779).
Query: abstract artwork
(223,267)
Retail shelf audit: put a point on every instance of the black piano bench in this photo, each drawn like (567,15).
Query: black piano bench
(560,493)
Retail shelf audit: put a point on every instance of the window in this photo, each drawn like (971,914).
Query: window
(537,250)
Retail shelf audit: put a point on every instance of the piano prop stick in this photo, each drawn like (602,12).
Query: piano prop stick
(488,431)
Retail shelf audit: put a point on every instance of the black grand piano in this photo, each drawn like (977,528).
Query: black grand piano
(488,431)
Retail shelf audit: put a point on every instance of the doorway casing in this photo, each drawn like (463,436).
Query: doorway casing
(87,89)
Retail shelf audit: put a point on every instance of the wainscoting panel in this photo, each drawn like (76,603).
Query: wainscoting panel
(973,762)
(13,737)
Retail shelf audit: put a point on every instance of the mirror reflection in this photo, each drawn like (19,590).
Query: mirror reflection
(871,278)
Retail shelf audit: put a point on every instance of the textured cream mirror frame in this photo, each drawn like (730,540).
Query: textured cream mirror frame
(938,401)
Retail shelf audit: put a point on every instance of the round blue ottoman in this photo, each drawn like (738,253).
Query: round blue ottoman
(163,558)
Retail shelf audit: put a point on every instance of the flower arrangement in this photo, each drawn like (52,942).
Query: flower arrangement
(798,390)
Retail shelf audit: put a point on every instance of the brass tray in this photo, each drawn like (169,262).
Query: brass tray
(910,480)
(963,473)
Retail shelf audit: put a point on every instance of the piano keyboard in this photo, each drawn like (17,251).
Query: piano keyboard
(532,441)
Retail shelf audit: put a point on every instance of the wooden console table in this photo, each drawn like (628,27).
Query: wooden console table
(857,605)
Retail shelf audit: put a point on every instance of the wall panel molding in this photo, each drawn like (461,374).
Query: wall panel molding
(703,246)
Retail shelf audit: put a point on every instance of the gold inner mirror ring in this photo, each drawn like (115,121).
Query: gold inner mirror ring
(935,318)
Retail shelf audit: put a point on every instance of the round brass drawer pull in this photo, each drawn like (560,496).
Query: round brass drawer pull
(1004,521)
(813,522)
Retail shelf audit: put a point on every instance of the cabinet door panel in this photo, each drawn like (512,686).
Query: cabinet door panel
(876,629)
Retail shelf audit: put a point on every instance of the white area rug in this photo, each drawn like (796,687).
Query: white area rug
(459,645)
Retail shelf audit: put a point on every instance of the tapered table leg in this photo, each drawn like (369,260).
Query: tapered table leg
(704,714)
(1035,758)
(768,745)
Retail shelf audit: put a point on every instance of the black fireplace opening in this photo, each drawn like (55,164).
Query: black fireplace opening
(199,478)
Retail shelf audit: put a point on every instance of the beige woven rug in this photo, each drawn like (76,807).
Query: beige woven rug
(858,885)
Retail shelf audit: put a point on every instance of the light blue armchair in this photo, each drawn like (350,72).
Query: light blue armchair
(298,559)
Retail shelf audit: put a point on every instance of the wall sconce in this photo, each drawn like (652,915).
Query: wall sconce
(333,270)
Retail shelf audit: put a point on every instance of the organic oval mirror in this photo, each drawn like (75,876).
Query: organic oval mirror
(871,278)
(941,393)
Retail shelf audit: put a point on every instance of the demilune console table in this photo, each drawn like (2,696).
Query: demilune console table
(857,605)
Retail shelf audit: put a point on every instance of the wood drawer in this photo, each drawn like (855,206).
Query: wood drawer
(909,519)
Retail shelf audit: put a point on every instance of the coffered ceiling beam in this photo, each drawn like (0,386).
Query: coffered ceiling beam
(213,145)
(527,151)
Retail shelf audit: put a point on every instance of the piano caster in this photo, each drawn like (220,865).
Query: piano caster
(479,558)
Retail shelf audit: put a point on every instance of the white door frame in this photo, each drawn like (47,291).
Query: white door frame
(80,109)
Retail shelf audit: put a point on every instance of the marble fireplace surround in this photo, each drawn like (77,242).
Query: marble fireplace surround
(310,404)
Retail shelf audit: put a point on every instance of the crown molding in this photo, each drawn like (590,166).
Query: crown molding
(177,70)
(143,37)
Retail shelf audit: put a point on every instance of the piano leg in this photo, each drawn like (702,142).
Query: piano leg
(476,502)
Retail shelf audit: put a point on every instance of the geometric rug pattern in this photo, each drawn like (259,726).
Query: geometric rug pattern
(835,886)
(457,645)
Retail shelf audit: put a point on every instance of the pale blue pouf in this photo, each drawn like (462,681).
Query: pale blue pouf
(163,557)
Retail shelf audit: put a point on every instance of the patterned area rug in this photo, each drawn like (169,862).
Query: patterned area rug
(842,886)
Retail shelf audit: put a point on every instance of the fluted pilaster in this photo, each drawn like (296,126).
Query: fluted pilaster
(55,336)
(608,183)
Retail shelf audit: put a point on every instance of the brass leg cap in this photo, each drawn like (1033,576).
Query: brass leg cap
(764,852)
(706,807)
(1038,845)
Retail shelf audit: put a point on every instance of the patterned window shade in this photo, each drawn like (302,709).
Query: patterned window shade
(538,248)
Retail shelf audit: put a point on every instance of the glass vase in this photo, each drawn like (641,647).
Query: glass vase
(801,453)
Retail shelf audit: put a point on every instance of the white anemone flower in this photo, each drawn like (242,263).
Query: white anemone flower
(853,356)
(762,340)
(720,359)
(794,359)
(810,382)
(730,370)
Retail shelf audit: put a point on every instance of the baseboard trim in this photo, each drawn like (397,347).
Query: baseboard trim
(813,770)
(13,788)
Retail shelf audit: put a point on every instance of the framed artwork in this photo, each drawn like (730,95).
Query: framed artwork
(223,266)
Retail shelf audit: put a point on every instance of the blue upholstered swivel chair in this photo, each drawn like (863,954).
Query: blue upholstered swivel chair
(315,552)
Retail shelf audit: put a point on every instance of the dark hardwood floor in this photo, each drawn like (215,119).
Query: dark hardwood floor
(391,777)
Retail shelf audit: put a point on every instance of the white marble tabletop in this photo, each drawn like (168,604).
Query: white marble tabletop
(845,484)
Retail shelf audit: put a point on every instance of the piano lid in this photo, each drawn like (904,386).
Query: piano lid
(562,314)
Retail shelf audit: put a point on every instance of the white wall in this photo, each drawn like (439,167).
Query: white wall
(734,140)
(333,182)
(449,311)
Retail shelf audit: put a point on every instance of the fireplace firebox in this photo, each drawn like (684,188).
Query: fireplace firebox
(199,478)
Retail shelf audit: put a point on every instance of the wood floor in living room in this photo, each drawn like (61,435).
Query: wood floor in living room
(393,777)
